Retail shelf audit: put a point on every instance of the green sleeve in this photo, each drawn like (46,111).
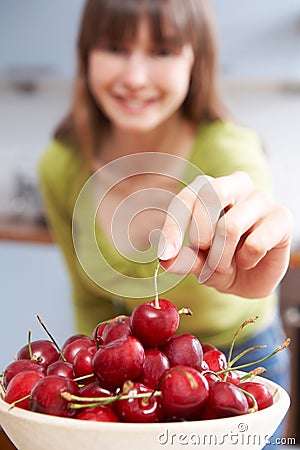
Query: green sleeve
(224,147)
(58,171)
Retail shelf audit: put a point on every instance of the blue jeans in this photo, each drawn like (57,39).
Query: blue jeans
(277,367)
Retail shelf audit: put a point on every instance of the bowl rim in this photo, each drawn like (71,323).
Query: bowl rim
(280,397)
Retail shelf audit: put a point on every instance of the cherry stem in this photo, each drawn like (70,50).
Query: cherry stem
(285,344)
(156,302)
(240,328)
(12,405)
(29,343)
(185,311)
(107,322)
(254,408)
(213,373)
(252,374)
(50,336)
(114,319)
(84,377)
(98,401)
(275,392)
(2,388)
(240,355)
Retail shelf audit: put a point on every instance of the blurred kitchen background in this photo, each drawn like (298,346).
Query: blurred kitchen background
(260,71)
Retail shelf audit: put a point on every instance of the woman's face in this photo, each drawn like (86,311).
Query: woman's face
(137,85)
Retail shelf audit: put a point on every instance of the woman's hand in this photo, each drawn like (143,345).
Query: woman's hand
(238,239)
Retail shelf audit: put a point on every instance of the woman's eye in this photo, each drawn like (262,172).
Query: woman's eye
(114,48)
(164,51)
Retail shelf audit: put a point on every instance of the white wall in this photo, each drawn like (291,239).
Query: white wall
(258,38)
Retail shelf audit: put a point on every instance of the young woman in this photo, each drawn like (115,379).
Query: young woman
(146,121)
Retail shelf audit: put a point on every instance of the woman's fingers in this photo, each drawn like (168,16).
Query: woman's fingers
(274,231)
(237,235)
(178,218)
(199,206)
(233,227)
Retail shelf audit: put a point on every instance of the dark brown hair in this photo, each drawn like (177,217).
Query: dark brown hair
(118,19)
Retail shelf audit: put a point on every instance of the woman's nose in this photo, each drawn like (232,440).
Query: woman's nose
(135,72)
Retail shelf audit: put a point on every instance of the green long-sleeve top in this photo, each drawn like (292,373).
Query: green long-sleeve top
(221,148)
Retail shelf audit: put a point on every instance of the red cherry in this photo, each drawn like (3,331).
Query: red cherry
(118,361)
(99,413)
(20,365)
(225,400)
(184,391)
(206,347)
(46,396)
(73,338)
(184,350)
(94,389)
(141,410)
(232,377)
(43,351)
(83,362)
(71,349)
(21,385)
(216,360)
(204,366)
(155,365)
(154,326)
(119,327)
(97,333)
(261,393)
(211,378)
(61,368)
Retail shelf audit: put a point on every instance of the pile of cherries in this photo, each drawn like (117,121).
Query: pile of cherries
(133,369)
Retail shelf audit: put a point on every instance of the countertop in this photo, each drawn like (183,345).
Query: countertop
(12,229)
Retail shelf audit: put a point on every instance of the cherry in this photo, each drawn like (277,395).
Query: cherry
(118,361)
(61,368)
(73,338)
(93,389)
(99,413)
(17,366)
(184,391)
(154,324)
(20,386)
(46,396)
(261,393)
(225,400)
(206,347)
(155,365)
(204,366)
(184,350)
(119,327)
(142,410)
(43,351)
(216,360)
(232,377)
(97,333)
(83,362)
(73,347)
(211,377)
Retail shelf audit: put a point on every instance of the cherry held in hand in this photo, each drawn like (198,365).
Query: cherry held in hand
(154,323)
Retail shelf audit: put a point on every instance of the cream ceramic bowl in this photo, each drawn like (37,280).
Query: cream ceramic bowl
(34,431)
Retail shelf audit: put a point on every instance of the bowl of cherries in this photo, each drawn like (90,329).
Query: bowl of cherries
(137,383)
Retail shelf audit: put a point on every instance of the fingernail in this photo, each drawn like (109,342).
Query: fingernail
(205,273)
(167,253)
